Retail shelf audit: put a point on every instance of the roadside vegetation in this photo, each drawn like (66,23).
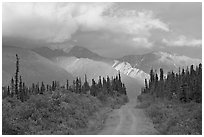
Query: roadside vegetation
(77,108)
(174,103)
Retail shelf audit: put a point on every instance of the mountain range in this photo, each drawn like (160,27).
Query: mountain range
(157,60)
(75,51)
(45,64)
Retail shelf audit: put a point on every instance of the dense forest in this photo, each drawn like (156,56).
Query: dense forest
(185,86)
(174,101)
(44,108)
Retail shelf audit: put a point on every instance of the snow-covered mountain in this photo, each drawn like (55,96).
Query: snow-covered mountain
(126,68)
(157,60)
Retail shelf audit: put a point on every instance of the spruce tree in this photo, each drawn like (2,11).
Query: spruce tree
(53,86)
(108,85)
(37,88)
(198,93)
(85,87)
(104,82)
(74,86)
(12,87)
(25,96)
(124,89)
(42,89)
(67,85)
(20,92)
(56,84)
(146,86)
(77,85)
(119,77)
(80,86)
(8,91)
(113,84)
(161,74)
(47,87)
(161,83)
(99,85)
(156,85)
(104,87)
(33,88)
(151,82)
(192,72)
(16,75)
(93,90)
(117,84)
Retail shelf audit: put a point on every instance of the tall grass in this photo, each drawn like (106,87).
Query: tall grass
(172,117)
(59,112)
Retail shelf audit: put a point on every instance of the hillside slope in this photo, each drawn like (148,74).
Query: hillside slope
(81,66)
(33,67)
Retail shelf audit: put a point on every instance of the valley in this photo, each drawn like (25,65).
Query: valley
(60,66)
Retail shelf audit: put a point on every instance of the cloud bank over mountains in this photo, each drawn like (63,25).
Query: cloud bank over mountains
(182,41)
(108,28)
(56,22)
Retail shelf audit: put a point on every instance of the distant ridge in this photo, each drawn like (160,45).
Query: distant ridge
(76,51)
(49,53)
(81,52)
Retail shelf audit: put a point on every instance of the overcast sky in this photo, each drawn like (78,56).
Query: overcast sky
(110,29)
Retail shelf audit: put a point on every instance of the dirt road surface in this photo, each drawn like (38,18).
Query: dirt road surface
(128,120)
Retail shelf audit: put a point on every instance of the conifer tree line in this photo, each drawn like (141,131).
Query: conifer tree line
(103,87)
(185,86)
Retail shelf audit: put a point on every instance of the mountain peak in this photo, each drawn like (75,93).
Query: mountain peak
(49,53)
(82,52)
(79,49)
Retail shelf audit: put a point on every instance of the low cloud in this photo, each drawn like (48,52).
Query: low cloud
(57,22)
(143,41)
(182,41)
